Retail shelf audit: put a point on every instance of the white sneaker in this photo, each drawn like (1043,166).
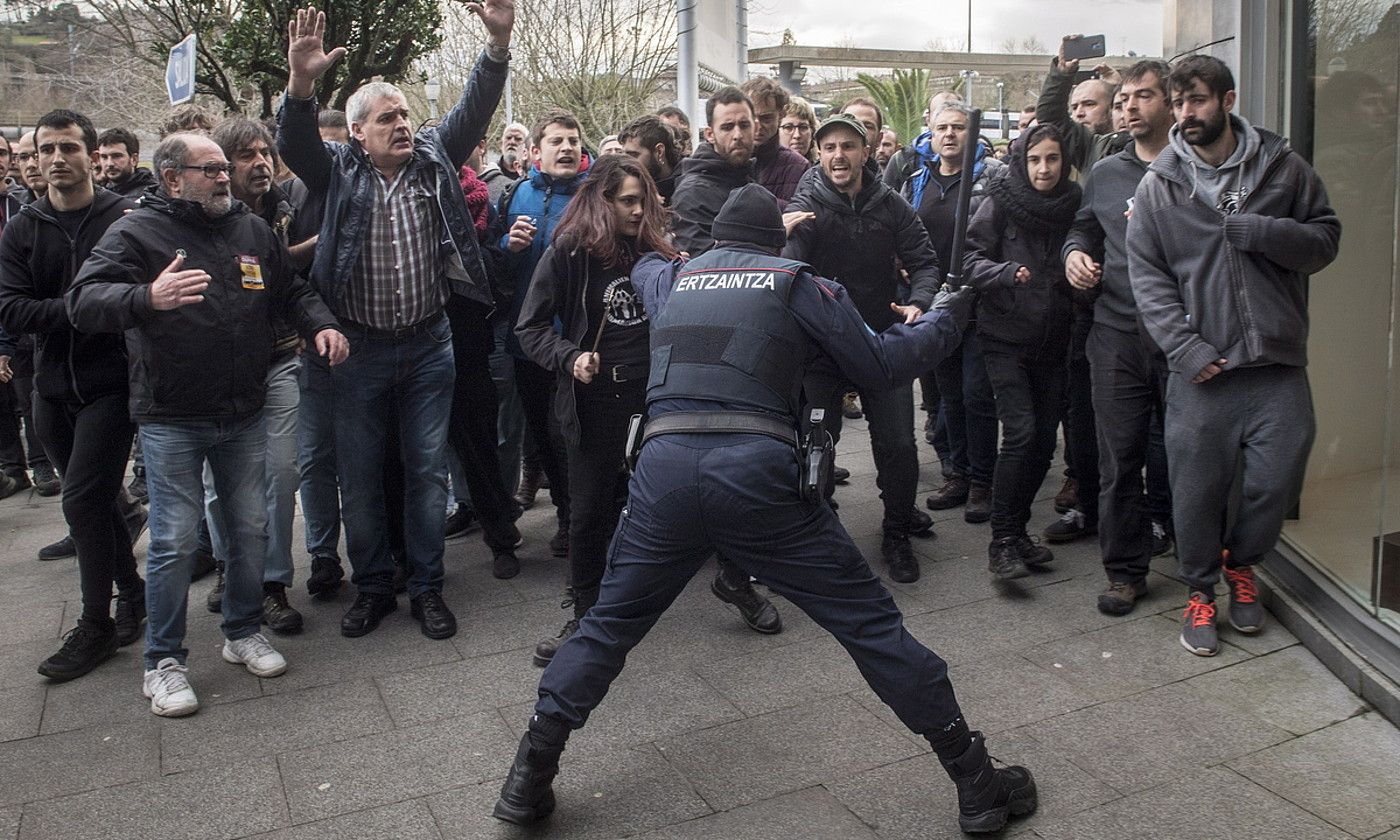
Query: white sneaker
(168,689)
(256,655)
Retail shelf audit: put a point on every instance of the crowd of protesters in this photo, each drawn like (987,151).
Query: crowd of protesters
(417,336)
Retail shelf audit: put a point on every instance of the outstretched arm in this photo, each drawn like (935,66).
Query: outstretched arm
(464,126)
(307,59)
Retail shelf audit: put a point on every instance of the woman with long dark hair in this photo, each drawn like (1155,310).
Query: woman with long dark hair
(1024,314)
(599,354)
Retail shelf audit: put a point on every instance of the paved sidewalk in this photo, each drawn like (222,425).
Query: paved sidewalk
(712,731)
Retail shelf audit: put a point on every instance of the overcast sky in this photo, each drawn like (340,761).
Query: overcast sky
(907,24)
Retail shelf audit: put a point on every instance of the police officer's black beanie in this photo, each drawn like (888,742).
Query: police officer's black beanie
(750,214)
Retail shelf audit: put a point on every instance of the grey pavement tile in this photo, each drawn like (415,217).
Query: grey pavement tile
(112,692)
(20,711)
(1210,803)
(1389,835)
(1348,774)
(749,760)
(333,779)
(215,803)
(914,799)
(811,814)
(1145,740)
(401,821)
(514,627)
(644,704)
(19,661)
(1005,691)
(35,621)
(46,766)
(323,656)
(965,634)
(1127,658)
(700,629)
(457,688)
(271,724)
(783,677)
(1288,688)
(1077,600)
(616,793)
(9,822)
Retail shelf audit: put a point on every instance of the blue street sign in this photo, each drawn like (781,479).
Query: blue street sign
(179,72)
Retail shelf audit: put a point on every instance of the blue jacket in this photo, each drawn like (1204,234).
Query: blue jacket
(344,177)
(924,154)
(543,198)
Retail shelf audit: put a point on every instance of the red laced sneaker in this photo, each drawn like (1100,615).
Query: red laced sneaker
(1246,613)
(1198,625)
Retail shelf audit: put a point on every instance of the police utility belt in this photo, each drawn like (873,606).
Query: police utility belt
(815,450)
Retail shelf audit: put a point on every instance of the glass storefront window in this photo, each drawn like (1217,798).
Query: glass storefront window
(1349,513)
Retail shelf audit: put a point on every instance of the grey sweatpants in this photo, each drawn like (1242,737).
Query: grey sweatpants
(1262,413)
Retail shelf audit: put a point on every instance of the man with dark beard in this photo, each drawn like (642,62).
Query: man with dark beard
(1225,227)
(653,143)
(118,153)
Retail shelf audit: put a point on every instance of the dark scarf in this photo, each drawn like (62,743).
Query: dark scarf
(1028,208)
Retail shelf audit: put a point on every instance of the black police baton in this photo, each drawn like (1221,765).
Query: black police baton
(954,278)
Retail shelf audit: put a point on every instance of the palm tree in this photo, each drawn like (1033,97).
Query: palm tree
(902,97)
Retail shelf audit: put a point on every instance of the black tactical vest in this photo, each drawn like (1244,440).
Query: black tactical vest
(727,334)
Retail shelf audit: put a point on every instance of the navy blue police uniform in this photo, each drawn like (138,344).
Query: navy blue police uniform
(732,333)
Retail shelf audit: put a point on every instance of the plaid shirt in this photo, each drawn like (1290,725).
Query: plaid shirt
(398,280)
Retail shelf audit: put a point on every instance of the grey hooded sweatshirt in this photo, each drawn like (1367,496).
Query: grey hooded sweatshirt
(1218,256)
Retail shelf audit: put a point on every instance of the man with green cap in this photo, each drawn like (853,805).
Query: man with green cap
(861,235)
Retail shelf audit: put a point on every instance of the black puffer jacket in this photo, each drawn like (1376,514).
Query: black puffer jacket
(703,182)
(208,360)
(141,181)
(38,262)
(1037,312)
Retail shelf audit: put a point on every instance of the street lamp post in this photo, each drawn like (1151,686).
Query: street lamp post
(433,88)
(1001,109)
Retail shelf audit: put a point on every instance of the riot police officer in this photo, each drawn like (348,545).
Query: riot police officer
(732,333)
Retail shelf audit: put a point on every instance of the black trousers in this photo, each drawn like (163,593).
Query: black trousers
(1029,384)
(890,418)
(598,473)
(472,428)
(90,443)
(536,388)
(1129,378)
(1081,436)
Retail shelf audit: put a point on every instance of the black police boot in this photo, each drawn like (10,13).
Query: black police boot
(758,612)
(527,795)
(899,556)
(988,796)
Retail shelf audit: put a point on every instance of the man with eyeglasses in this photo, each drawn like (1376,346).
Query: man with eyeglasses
(200,338)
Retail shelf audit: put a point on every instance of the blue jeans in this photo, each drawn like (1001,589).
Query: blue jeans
(406,382)
(175,455)
(280,414)
(320,493)
(970,409)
